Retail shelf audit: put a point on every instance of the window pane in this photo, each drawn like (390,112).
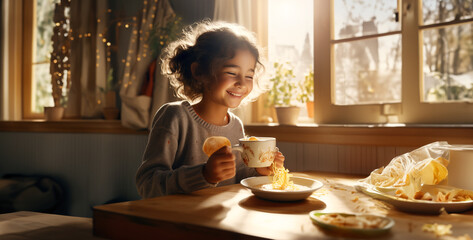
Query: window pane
(368,71)
(359,18)
(448,63)
(42,87)
(290,40)
(290,34)
(42,47)
(435,11)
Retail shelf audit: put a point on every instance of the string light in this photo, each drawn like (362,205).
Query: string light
(141,34)
(60,55)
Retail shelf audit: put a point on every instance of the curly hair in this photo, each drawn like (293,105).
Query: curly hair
(209,44)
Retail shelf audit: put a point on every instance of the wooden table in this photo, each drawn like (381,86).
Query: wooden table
(233,212)
(26,225)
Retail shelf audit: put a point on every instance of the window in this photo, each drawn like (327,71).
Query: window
(42,48)
(27,45)
(290,42)
(447,33)
(374,61)
(37,79)
(366,53)
(370,68)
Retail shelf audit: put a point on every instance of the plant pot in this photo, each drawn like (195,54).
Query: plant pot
(110,99)
(110,113)
(53,113)
(287,115)
(310,109)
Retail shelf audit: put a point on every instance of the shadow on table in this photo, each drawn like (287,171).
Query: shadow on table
(295,207)
(59,232)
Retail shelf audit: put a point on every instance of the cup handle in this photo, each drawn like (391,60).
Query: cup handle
(237,148)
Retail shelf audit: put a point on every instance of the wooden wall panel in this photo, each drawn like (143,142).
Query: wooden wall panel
(93,168)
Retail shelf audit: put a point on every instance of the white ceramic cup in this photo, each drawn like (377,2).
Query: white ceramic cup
(460,168)
(257,153)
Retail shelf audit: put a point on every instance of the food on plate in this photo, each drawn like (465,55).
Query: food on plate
(442,195)
(354,221)
(293,187)
(280,180)
(255,184)
(214,143)
(438,229)
(431,171)
(252,138)
(408,175)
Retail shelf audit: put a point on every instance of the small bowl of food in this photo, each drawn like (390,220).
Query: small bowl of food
(352,224)
(298,188)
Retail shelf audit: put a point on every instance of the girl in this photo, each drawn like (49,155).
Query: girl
(214,64)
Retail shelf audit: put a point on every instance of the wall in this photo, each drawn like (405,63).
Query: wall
(350,159)
(99,168)
(93,168)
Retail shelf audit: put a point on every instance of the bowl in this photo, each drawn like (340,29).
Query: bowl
(387,224)
(254,183)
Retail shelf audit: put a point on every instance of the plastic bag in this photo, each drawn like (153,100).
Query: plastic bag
(425,165)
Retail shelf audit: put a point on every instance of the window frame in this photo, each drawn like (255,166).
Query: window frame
(414,135)
(29,9)
(411,109)
(12,57)
(17,56)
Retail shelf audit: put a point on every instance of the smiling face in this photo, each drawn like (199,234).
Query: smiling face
(234,80)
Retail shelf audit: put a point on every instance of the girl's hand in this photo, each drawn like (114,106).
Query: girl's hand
(220,166)
(278,160)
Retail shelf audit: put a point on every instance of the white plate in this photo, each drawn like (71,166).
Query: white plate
(416,206)
(389,223)
(281,195)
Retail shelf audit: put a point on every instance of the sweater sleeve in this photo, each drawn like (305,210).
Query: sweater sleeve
(156,175)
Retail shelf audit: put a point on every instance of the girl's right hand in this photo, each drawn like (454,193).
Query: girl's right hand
(220,166)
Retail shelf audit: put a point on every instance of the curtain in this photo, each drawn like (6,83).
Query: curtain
(137,103)
(253,16)
(2,92)
(88,69)
(236,11)
(11,45)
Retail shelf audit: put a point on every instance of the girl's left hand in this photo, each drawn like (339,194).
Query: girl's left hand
(278,160)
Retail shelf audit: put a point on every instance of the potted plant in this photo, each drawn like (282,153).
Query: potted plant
(110,110)
(56,112)
(60,65)
(284,94)
(307,93)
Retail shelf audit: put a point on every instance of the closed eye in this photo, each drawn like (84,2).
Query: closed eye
(231,73)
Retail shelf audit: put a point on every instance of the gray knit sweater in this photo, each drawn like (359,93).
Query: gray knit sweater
(173,158)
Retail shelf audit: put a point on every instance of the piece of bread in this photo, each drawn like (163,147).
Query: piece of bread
(214,143)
